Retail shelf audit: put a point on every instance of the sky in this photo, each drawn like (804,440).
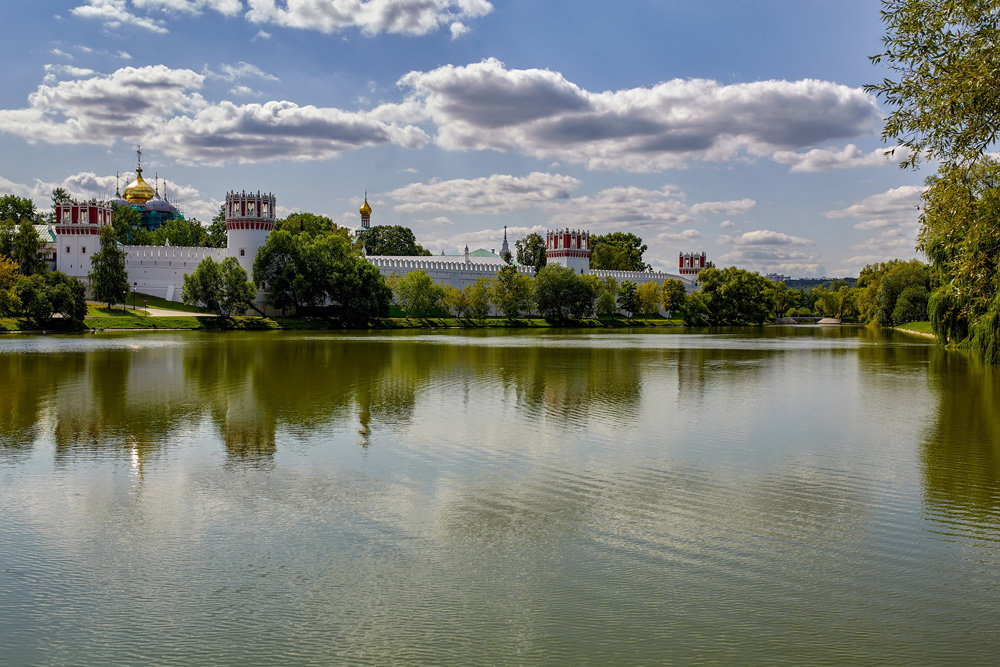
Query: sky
(735,127)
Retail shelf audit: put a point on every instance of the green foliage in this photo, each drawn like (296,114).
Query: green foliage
(911,305)
(827,302)
(530,251)
(9,303)
(393,240)
(67,295)
(617,251)
(222,287)
(649,298)
(418,295)
(32,294)
(885,283)
(17,209)
(943,56)
(323,271)
(26,249)
(628,298)
(128,227)
(673,296)
(511,292)
(606,304)
(217,236)
(311,224)
(733,296)
(560,294)
(456,301)
(108,278)
(180,232)
(478,298)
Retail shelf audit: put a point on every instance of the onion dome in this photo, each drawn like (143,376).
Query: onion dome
(365,208)
(138,191)
(157,203)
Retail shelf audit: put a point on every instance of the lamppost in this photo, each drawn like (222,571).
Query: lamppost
(134,285)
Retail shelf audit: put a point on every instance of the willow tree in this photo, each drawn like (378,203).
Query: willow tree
(943,62)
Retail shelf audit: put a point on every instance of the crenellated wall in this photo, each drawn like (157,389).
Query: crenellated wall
(639,277)
(160,270)
(455,273)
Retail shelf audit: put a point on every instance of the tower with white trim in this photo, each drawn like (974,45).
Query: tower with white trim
(249,219)
(568,247)
(78,234)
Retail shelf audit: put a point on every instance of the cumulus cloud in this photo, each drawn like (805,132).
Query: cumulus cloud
(499,193)
(162,108)
(768,251)
(892,207)
(88,185)
(638,208)
(485,106)
(411,17)
(849,157)
(261,35)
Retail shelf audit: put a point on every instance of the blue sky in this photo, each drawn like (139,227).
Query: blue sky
(738,128)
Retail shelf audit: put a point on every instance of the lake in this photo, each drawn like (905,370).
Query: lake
(771,495)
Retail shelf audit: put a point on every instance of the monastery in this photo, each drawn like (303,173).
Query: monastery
(250,217)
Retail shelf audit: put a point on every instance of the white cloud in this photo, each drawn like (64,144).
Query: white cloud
(114,14)
(61,54)
(458,29)
(54,71)
(767,251)
(485,106)
(261,35)
(241,70)
(629,207)
(243,91)
(162,108)
(412,17)
(727,224)
(896,206)
(849,157)
(769,238)
(490,195)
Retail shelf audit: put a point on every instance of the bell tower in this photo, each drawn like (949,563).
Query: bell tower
(569,248)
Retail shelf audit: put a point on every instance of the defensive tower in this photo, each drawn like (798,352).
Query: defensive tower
(249,219)
(569,248)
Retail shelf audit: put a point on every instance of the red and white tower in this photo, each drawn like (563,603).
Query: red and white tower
(690,264)
(249,219)
(78,234)
(569,248)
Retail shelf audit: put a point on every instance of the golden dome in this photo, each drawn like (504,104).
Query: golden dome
(365,208)
(138,191)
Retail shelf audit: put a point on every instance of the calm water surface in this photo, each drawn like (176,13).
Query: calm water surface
(785,495)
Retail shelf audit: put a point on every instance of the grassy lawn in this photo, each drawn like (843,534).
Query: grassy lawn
(917,327)
(98,310)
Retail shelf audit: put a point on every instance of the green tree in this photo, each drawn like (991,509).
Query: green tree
(127,223)
(108,277)
(530,251)
(417,295)
(359,290)
(393,240)
(27,249)
(217,236)
(67,295)
(280,269)
(649,298)
(617,251)
(222,287)
(181,232)
(733,296)
(33,295)
(628,298)
(9,303)
(606,304)
(311,224)
(673,296)
(456,301)
(478,298)
(511,292)
(559,293)
(943,58)
(827,302)
(17,209)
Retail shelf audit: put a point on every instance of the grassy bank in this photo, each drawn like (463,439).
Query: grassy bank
(116,321)
(918,328)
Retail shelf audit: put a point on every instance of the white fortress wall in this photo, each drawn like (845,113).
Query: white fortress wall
(639,277)
(160,270)
(454,273)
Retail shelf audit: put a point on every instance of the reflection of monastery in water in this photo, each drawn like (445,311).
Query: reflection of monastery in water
(250,217)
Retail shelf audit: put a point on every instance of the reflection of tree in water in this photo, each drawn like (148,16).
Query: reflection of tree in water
(960,454)
(568,385)
(28,383)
